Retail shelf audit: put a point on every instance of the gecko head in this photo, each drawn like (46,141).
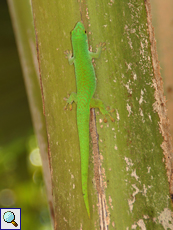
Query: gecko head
(79,31)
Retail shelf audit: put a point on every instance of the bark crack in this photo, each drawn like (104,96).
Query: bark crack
(102,206)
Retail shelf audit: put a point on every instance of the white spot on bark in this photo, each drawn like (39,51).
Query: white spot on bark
(134,76)
(132,201)
(133,31)
(149,117)
(110,202)
(134,175)
(129,66)
(118,116)
(146,43)
(129,109)
(141,98)
(65,219)
(141,224)
(128,162)
(165,219)
(149,168)
(130,42)
(100,121)
(141,112)
(128,87)
(144,190)
(146,217)
(142,115)
(115,147)
(134,226)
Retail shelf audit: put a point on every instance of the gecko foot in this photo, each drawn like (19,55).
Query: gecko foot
(68,103)
(101,46)
(71,98)
(112,119)
(110,111)
(68,54)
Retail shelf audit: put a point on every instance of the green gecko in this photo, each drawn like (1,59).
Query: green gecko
(86,85)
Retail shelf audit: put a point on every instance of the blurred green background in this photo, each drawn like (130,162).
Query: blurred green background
(22,184)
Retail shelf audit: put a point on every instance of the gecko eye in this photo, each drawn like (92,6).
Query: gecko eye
(85,31)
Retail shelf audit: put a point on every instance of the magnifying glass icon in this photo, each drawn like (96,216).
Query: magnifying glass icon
(9,218)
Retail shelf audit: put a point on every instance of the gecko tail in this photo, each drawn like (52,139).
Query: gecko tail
(83,131)
(85,194)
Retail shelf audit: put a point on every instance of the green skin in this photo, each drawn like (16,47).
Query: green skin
(86,85)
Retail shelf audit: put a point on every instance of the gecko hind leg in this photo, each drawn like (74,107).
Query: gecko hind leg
(100,48)
(72,98)
(96,103)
